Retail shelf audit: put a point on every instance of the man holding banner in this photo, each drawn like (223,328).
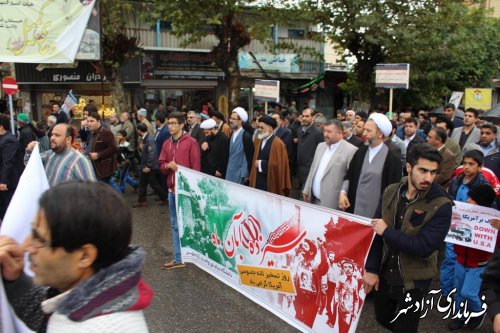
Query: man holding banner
(411,223)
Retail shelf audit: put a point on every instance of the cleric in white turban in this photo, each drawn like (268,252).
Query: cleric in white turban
(383,123)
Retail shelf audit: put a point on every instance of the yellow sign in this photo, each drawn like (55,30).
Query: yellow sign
(478,98)
(42,31)
(273,279)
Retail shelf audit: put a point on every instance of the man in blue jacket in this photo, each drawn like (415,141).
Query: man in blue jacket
(411,223)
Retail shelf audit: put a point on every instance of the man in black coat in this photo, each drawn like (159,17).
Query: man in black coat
(11,164)
(309,136)
(26,134)
(217,153)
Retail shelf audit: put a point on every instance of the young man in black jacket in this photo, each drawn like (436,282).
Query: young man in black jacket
(411,223)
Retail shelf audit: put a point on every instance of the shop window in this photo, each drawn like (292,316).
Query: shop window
(296,33)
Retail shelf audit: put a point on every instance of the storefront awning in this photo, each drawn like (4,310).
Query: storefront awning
(313,85)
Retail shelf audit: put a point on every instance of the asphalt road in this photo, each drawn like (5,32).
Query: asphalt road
(190,300)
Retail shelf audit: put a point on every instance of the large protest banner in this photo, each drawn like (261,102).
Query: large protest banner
(470,227)
(42,31)
(302,262)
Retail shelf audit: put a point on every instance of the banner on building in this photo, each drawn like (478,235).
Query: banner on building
(304,263)
(478,98)
(470,227)
(284,63)
(47,31)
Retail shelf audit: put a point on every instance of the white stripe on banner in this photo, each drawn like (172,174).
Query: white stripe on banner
(10,86)
(17,225)
(283,254)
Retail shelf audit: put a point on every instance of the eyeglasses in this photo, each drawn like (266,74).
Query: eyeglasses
(191,117)
(38,241)
(172,124)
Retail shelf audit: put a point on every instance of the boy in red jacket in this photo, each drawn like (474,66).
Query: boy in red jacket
(471,264)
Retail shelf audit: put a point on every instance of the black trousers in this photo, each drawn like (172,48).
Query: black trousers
(150,178)
(389,300)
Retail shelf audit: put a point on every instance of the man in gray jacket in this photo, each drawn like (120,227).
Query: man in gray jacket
(330,164)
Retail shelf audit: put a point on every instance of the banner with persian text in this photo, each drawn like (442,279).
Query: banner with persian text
(302,262)
(48,31)
(470,227)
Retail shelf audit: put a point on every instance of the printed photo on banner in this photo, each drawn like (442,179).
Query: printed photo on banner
(303,263)
(470,226)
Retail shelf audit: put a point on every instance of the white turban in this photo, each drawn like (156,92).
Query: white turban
(142,112)
(383,123)
(208,124)
(241,113)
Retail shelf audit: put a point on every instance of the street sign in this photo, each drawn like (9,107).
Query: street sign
(9,85)
(392,76)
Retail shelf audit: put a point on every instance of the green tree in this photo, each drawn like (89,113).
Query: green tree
(119,43)
(234,23)
(449,50)
(448,45)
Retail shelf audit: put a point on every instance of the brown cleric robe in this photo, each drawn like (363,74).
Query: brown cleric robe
(278,170)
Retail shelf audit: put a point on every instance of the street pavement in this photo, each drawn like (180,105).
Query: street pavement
(190,300)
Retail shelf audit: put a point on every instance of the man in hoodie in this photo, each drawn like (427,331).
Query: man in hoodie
(94,285)
(180,149)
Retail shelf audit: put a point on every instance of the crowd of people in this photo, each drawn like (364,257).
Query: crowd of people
(403,173)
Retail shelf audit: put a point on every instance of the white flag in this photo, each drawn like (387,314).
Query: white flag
(17,225)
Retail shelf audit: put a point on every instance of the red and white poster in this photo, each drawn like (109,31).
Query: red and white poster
(470,226)
(302,262)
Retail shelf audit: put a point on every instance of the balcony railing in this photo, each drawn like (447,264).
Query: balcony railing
(148,38)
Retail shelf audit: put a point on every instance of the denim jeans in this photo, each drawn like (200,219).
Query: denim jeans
(447,270)
(126,179)
(468,282)
(175,229)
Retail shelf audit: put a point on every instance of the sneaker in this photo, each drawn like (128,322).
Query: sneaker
(173,264)
(476,322)
(456,324)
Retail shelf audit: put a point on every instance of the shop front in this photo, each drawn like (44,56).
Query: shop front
(179,78)
(41,85)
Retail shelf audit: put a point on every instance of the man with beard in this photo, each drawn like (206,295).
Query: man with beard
(63,163)
(101,148)
(217,152)
(241,148)
(373,167)
(270,169)
(411,223)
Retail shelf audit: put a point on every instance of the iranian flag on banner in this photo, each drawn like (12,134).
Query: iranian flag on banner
(302,262)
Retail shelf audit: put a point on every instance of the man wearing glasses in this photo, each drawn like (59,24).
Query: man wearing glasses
(94,284)
(179,149)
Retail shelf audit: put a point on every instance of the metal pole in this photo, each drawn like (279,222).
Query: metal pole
(390,103)
(11,107)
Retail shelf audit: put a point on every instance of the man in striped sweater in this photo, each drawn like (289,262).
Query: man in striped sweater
(63,163)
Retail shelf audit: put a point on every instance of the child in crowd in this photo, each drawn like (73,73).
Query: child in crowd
(470,265)
(125,155)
